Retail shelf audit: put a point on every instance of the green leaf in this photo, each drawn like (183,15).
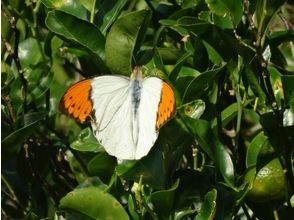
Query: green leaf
(279,136)
(132,208)
(86,35)
(209,143)
(102,166)
(163,201)
(194,87)
(108,13)
(227,8)
(29,122)
(149,169)
(93,203)
(174,73)
(72,7)
(29,53)
(227,115)
(254,84)
(127,32)
(288,82)
(288,117)
(254,148)
(193,109)
(87,142)
(265,10)
(208,208)
(41,86)
(227,46)
(275,77)
(190,3)
(89,4)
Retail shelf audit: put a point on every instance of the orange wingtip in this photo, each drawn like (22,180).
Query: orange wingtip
(167,105)
(76,101)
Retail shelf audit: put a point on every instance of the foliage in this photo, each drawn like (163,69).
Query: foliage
(231,66)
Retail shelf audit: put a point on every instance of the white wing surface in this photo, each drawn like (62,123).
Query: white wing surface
(150,98)
(112,101)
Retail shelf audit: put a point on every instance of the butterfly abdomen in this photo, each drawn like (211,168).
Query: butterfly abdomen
(136,95)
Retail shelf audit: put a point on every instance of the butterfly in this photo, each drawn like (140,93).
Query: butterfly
(126,113)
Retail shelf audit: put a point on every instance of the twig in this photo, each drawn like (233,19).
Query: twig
(14,53)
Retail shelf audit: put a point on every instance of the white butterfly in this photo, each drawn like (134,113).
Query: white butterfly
(126,112)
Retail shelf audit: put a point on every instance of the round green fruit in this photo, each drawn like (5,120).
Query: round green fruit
(268,184)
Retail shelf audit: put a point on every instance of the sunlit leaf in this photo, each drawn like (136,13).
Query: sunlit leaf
(127,32)
(66,25)
(208,208)
(93,203)
(87,142)
(72,7)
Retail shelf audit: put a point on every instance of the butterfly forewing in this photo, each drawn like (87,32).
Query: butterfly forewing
(167,105)
(150,98)
(76,101)
(112,101)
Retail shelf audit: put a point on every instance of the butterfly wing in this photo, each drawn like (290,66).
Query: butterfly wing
(113,126)
(157,106)
(76,100)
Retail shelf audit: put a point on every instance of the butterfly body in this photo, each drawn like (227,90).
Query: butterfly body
(127,113)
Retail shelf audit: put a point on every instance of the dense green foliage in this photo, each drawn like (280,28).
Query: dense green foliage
(230,63)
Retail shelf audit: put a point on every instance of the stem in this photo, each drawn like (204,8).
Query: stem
(275,213)
(92,17)
(259,40)
(9,187)
(238,124)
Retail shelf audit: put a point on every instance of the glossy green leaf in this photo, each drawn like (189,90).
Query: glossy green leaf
(102,166)
(208,142)
(208,208)
(227,46)
(108,13)
(86,142)
(277,86)
(190,3)
(193,87)
(66,25)
(279,37)
(127,32)
(288,117)
(288,82)
(41,86)
(163,201)
(255,85)
(93,203)
(265,10)
(174,73)
(193,109)
(149,169)
(227,115)
(73,7)
(132,208)
(254,149)
(227,8)
(88,4)
(278,135)
(29,53)
(187,71)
